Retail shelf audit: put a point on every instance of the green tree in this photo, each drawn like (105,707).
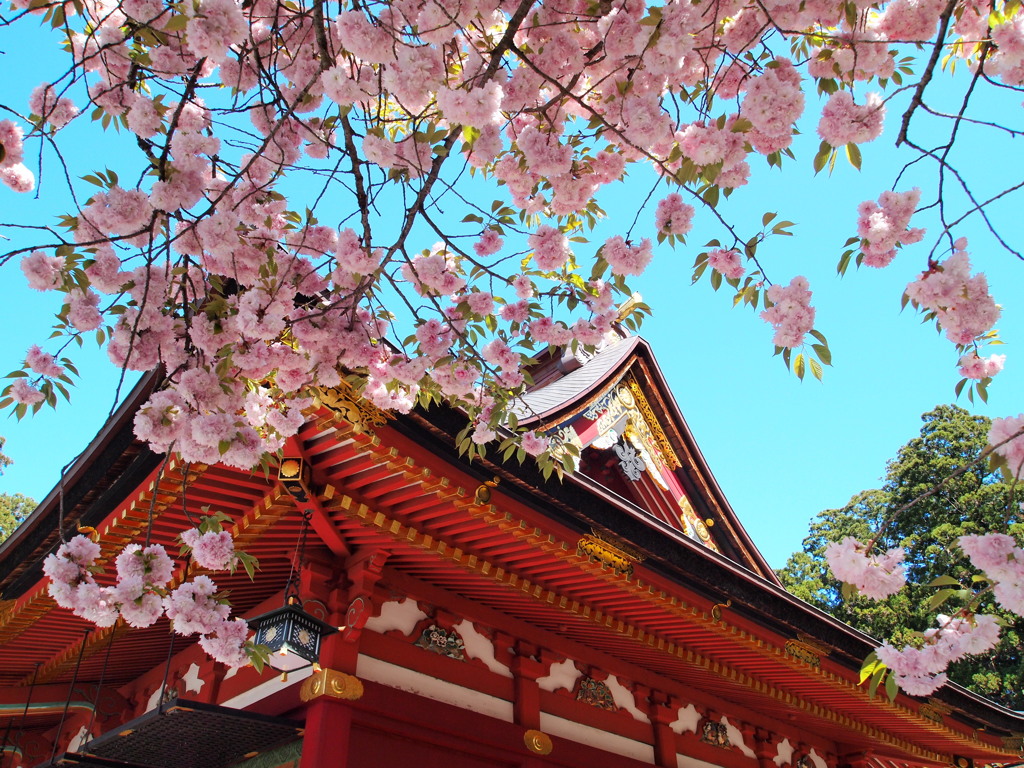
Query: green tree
(14,507)
(975,501)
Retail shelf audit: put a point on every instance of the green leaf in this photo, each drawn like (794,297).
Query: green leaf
(798,366)
(867,669)
(940,597)
(821,158)
(815,368)
(876,678)
(176,23)
(943,581)
(891,689)
(853,155)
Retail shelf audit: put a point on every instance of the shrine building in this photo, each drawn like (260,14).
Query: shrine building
(486,617)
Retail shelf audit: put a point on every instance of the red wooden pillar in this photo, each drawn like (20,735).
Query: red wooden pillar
(330,691)
(661,709)
(528,665)
(328,731)
(765,744)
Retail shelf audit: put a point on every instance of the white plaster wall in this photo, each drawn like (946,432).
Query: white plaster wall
(684,761)
(402,615)
(479,646)
(561,675)
(394,676)
(595,737)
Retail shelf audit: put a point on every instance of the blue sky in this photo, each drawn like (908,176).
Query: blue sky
(782,449)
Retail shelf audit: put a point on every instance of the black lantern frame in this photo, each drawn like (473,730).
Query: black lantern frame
(292,635)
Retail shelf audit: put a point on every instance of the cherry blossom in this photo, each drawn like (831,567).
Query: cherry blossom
(534,444)
(876,577)
(919,671)
(884,226)
(727,262)
(844,122)
(11,142)
(673,216)
(214,550)
(974,367)
(1003,430)
(791,314)
(962,304)
(293,215)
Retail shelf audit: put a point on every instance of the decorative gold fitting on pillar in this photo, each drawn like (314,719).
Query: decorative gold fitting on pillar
(537,742)
(331,682)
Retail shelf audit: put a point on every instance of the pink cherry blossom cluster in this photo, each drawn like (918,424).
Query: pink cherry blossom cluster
(625,258)
(535,444)
(999,558)
(873,576)
(791,313)
(974,367)
(774,100)
(208,268)
(56,110)
(844,122)
(673,216)
(884,226)
(142,574)
(140,597)
(550,248)
(1008,435)
(213,550)
(727,262)
(920,671)
(13,171)
(959,300)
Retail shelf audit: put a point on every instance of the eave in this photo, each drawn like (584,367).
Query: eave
(688,621)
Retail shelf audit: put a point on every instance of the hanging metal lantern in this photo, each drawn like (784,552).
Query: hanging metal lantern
(292,635)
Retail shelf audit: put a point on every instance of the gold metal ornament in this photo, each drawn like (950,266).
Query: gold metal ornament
(538,742)
(331,682)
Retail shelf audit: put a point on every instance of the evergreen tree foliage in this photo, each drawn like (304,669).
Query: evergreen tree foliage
(14,507)
(976,501)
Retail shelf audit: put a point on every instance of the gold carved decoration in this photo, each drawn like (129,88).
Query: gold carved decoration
(934,710)
(331,682)
(642,429)
(564,437)
(803,652)
(346,403)
(613,553)
(294,474)
(537,742)
(653,429)
(808,649)
(1014,742)
(692,524)
(717,608)
(483,491)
